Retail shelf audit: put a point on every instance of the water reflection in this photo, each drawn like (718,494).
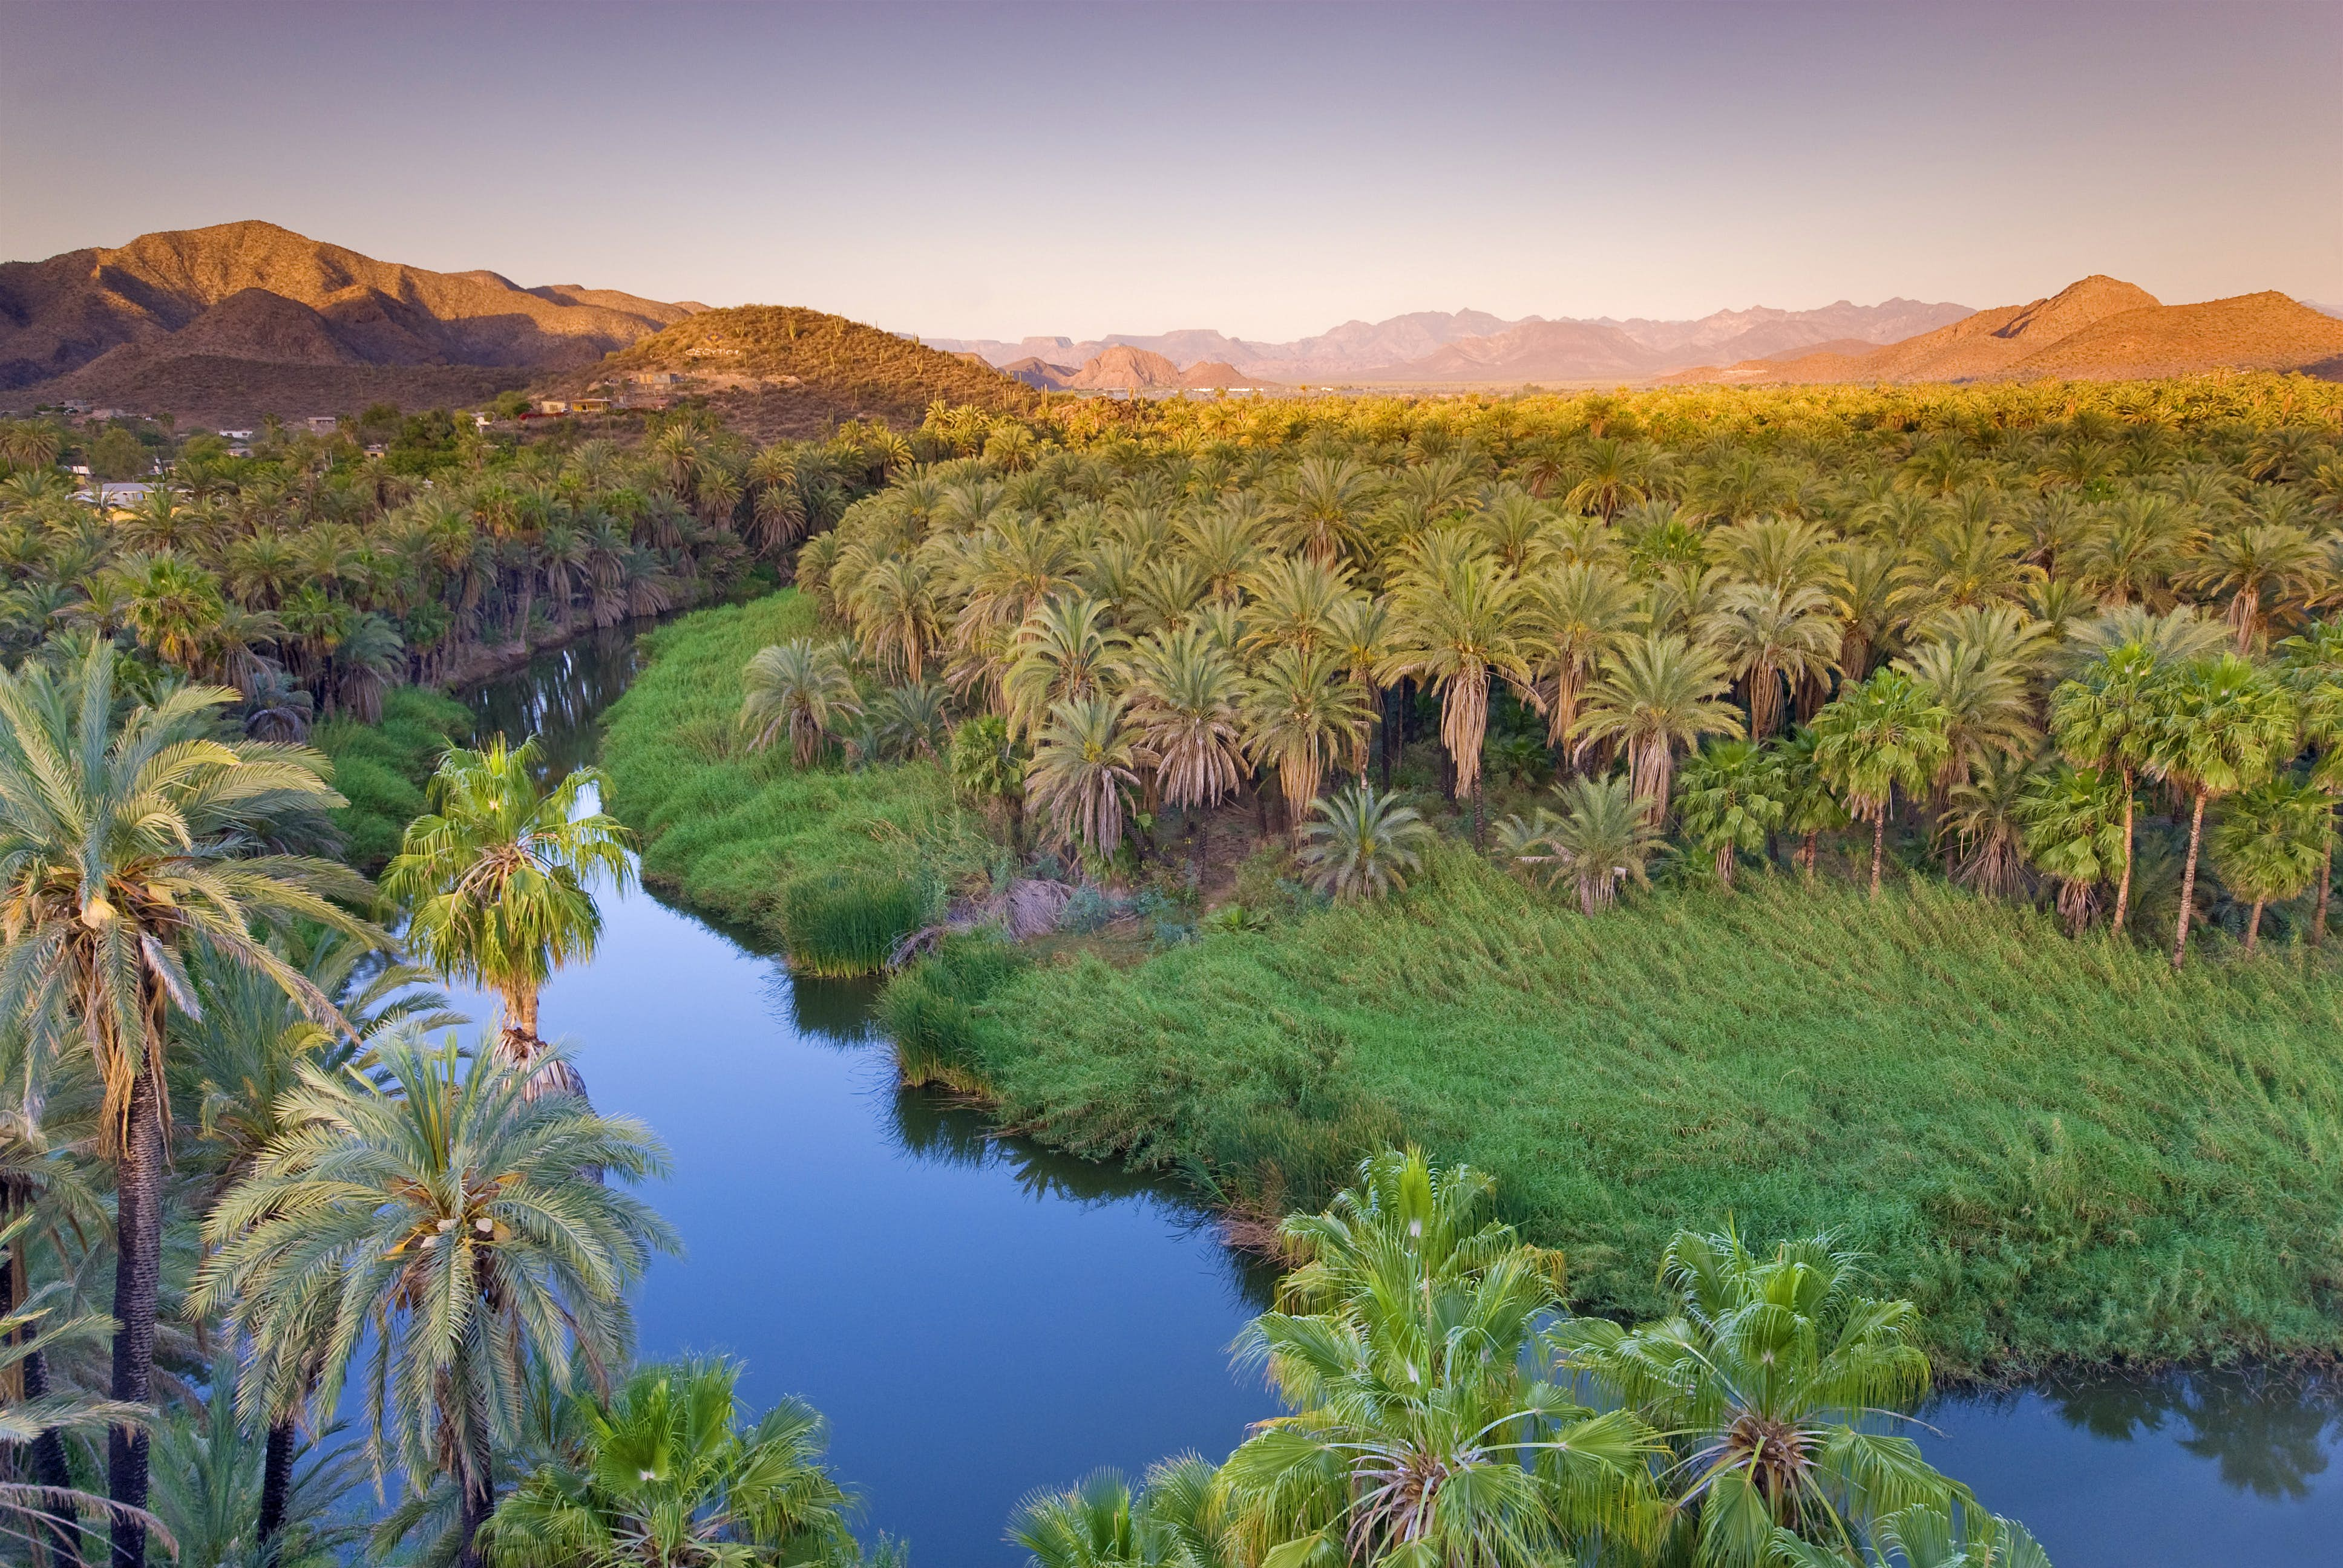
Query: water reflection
(2268,1433)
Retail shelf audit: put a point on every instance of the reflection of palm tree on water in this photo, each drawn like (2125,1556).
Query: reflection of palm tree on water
(2266,1429)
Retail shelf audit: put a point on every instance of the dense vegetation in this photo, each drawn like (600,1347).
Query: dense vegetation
(2034,671)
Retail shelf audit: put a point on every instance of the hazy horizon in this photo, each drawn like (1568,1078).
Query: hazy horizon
(1269,172)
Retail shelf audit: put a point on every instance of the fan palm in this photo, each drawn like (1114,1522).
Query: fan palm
(1362,843)
(1658,695)
(1729,797)
(2073,823)
(128,840)
(2218,726)
(1882,735)
(800,685)
(434,1220)
(1084,772)
(1300,717)
(1169,1520)
(1809,807)
(2312,665)
(2268,845)
(1769,1381)
(498,879)
(667,1474)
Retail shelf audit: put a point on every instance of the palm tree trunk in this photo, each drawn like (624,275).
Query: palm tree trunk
(1807,851)
(137,1278)
(1725,857)
(2325,884)
(48,1447)
(2254,929)
(2188,882)
(1878,849)
(2123,888)
(276,1487)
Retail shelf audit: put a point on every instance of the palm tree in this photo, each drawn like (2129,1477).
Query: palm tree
(1767,634)
(1658,695)
(212,1481)
(44,1514)
(433,1218)
(497,880)
(1084,771)
(2312,665)
(1983,824)
(1300,717)
(988,764)
(1183,699)
(1574,616)
(1324,506)
(1064,650)
(1362,844)
(1879,736)
(1169,1520)
(1924,1535)
(801,686)
(1730,797)
(2260,568)
(1809,807)
(1604,837)
(126,844)
(1416,1436)
(894,610)
(1770,1382)
(2218,725)
(2269,843)
(1457,623)
(2073,830)
(666,1474)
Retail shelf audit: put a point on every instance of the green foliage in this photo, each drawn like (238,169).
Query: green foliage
(2056,1147)
(380,768)
(845,863)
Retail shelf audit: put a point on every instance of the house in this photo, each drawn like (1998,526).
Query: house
(657,378)
(323,424)
(589,404)
(236,435)
(553,404)
(76,405)
(375,449)
(481,421)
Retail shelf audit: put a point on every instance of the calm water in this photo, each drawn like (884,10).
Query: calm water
(979,1317)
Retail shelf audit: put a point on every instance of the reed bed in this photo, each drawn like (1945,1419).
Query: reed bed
(2061,1150)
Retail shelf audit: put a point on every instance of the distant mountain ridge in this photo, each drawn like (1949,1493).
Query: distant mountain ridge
(2097,328)
(198,315)
(1473,344)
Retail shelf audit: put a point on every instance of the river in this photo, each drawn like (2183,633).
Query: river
(979,1317)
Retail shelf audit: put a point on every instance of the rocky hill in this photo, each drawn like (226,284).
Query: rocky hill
(247,318)
(778,370)
(2100,328)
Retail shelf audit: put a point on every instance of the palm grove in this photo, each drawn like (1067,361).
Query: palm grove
(2069,646)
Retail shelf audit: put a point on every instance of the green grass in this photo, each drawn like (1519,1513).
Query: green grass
(2060,1150)
(380,768)
(829,866)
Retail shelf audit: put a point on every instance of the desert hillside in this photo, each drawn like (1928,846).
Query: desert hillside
(781,370)
(2100,328)
(198,315)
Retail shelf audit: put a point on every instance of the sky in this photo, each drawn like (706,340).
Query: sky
(978,170)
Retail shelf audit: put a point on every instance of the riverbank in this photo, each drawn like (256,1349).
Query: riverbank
(2062,1151)
(380,768)
(826,865)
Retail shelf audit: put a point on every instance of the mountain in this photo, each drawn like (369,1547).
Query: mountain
(2099,328)
(1039,373)
(1124,366)
(1354,345)
(778,370)
(1539,351)
(197,316)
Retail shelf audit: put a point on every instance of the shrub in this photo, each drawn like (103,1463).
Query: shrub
(848,923)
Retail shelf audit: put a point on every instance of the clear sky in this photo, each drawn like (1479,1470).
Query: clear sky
(979,170)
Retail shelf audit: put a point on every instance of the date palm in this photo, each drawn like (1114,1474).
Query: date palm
(128,840)
(498,879)
(2268,844)
(2312,665)
(1363,844)
(1880,736)
(431,1220)
(1290,603)
(1986,711)
(2216,725)
(668,1473)
(1769,1383)
(1085,772)
(1657,695)
(1064,650)
(2261,569)
(1323,510)
(1767,634)
(1574,616)
(1183,701)
(894,609)
(1457,625)
(802,687)
(1301,717)
(1602,838)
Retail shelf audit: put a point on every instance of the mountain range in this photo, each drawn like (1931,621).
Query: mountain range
(245,319)
(1475,345)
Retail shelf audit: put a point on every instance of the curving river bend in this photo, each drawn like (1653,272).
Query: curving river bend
(979,1317)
